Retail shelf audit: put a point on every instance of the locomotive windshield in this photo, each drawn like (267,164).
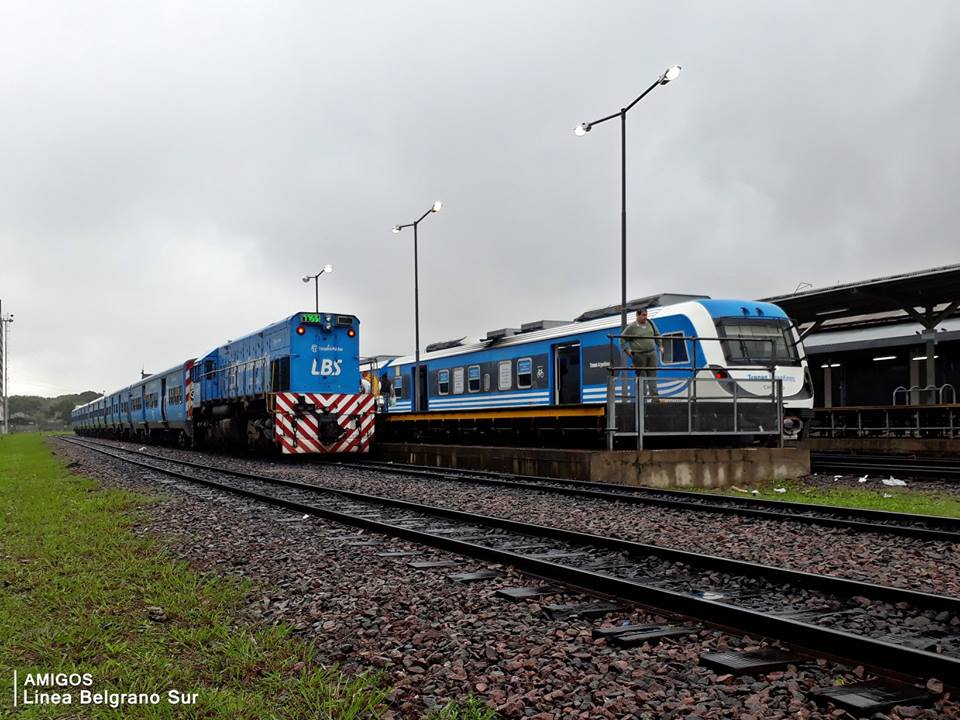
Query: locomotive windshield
(757,341)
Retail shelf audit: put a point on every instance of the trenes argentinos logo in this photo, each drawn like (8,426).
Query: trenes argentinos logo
(75,688)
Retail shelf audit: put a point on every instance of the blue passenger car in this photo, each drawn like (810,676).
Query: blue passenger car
(715,344)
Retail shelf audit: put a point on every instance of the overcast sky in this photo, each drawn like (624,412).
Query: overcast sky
(170,170)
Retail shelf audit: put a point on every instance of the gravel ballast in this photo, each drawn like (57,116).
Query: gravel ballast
(437,640)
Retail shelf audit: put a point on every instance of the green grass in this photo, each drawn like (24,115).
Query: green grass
(469,709)
(871,496)
(75,585)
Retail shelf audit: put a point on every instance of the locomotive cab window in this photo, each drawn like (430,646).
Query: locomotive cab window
(524,373)
(674,348)
(443,382)
(473,378)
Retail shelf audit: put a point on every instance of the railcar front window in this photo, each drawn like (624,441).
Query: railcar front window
(757,342)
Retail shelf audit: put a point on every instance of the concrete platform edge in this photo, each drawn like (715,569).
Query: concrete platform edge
(687,468)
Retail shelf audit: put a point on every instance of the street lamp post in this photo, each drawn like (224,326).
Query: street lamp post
(415,403)
(316,284)
(669,74)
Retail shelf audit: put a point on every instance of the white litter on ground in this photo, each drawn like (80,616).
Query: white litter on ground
(780,490)
(863,479)
(887,495)
(894,482)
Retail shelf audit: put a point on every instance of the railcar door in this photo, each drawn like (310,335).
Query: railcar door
(566,370)
(423,390)
(163,399)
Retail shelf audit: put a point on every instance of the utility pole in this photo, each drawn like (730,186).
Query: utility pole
(5,321)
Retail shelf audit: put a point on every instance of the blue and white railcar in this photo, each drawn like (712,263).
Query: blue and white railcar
(716,342)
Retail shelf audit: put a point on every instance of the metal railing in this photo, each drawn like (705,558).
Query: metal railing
(912,394)
(696,406)
(899,421)
(717,412)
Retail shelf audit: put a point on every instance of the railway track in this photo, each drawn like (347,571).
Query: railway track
(926,527)
(896,630)
(902,466)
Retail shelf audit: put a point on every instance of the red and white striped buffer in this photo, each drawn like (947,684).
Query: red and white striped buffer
(298,417)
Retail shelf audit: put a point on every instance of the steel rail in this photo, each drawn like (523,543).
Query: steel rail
(926,527)
(943,468)
(834,642)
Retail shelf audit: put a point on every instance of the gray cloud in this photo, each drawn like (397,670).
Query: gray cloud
(171,170)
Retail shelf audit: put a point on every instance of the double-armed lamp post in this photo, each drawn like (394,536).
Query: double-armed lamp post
(415,401)
(668,75)
(316,284)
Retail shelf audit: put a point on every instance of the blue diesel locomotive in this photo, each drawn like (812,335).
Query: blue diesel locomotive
(294,385)
(554,375)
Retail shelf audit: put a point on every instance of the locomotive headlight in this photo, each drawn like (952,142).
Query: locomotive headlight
(301,329)
(351,333)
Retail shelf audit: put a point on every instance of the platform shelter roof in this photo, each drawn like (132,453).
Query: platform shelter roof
(927,296)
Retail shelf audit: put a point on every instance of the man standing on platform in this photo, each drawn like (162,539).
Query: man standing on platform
(640,341)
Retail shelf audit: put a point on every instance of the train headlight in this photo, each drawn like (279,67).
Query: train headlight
(351,333)
(301,330)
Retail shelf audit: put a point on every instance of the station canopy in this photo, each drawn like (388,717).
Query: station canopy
(925,296)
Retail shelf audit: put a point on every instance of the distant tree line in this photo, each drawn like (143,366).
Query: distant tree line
(33,411)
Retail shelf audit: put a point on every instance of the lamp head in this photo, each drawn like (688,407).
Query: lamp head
(671,73)
(396,229)
(328,268)
(582,129)
(306,278)
(436,206)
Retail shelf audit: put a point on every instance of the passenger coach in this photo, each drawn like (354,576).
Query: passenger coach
(553,375)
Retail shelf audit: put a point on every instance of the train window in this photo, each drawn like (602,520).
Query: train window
(504,375)
(524,372)
(398,387)
(458,381)
(443,382)
(674,348)
(473,378)
(749,341)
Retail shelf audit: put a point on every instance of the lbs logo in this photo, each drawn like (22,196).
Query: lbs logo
(326,367)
